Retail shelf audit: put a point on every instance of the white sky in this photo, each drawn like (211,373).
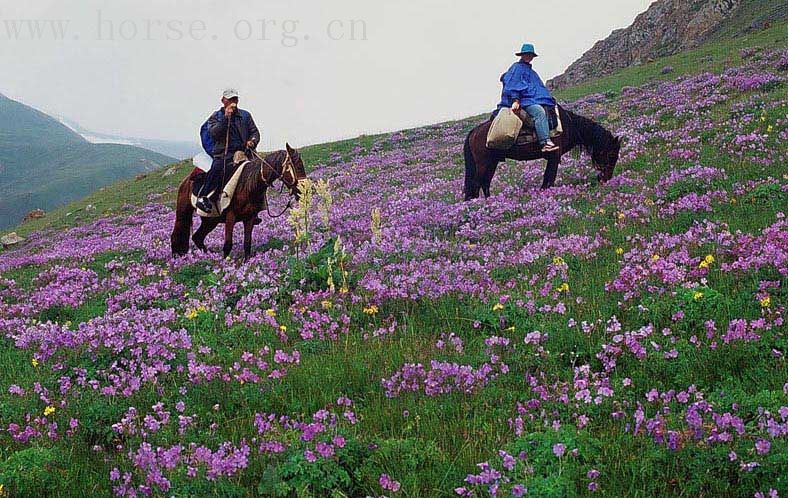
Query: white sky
(423,61)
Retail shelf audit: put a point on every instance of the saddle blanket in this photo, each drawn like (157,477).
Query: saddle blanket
(226,195)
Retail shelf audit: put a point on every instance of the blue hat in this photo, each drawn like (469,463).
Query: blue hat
(527,49)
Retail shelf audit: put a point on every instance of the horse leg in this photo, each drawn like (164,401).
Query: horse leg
(472,185)
(206,226)
(179,240)
(248,227)
(229,224)
(550,172)
(489,173)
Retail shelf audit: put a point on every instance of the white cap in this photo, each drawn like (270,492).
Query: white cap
(230,93)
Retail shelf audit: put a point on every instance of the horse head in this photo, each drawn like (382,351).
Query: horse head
(293,170)
(605,158)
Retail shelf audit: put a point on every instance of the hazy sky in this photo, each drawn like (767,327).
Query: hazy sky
(309,71)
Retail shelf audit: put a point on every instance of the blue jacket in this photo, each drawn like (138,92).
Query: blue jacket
(216,127)
(522,83)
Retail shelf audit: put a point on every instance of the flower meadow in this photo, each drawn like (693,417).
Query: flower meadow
(388,339)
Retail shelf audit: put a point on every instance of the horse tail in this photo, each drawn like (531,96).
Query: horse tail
(179,240)
(471,178)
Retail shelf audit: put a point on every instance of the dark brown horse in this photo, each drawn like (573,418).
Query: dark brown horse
(247,202)
(481,162)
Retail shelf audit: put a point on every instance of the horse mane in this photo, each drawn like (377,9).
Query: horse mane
(251,176)
(588,134)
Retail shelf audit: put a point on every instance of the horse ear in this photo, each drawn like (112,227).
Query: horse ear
(287,146)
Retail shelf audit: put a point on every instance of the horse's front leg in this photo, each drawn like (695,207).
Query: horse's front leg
(248,227)
(550,172)
(206,226)
(229,224)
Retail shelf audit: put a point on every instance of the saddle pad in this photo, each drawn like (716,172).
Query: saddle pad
(226,196)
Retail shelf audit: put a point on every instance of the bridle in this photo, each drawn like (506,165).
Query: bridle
(290,181)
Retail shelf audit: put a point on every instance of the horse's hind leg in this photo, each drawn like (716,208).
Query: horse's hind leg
(179,240)
(487,180)
(206,226)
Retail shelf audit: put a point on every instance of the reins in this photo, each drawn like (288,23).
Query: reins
(279,176)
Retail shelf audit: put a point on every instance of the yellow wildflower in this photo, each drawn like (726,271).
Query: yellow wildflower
(655,258)
(769,129)
(620,251)
(558,260)
(34,362)
(270,312)
(191,314)
(697,296)
(327,305)
(563,287)
(621,216)
(510,329)
(371,310)
(283,328)
(49,410)
(497,307)
(709,259)
(766,302)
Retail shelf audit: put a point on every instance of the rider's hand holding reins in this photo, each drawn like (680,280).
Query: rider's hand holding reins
(516,106)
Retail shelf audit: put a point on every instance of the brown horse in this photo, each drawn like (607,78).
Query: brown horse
(481,162)
(248,200)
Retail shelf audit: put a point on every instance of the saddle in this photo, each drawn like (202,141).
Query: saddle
(527,133)
(229,184)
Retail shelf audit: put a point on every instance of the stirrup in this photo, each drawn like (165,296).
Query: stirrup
(550,147)
(204,204)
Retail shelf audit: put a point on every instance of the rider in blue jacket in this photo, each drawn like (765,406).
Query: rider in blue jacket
(524,89)
(243,134)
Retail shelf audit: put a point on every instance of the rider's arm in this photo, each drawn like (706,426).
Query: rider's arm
(254,133)
(217,125)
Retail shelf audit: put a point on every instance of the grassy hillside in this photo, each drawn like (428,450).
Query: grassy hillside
(43,164)
(715,57)
(388,339)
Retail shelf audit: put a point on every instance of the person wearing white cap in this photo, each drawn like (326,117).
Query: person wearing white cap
(229,130)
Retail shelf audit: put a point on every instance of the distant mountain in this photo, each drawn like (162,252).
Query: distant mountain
(174,148)
(44,164)
(669,27)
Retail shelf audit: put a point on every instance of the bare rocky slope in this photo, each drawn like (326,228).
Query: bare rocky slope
(669,27)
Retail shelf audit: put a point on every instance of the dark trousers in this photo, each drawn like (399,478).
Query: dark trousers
(213,179)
